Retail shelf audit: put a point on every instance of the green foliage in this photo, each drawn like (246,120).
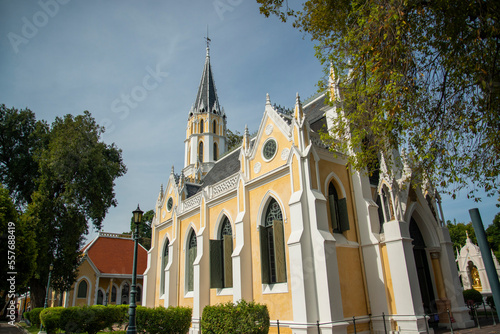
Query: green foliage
(17,243)
(490,302)
(493,235)
(144,228)
(458,234)
(234,139)
(51,319)
(419,75)
(74,190)
(81,319)
(22,135)
(34,316)
(161,320)
(242,317)
(473,298)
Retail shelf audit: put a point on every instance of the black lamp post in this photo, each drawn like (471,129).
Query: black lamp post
(46,304)
(132,329)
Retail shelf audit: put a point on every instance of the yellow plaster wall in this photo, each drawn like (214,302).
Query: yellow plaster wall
(274,302)
(296,173)
(266,166)
(389,290)
(312,169)
(85,269)
(351,282)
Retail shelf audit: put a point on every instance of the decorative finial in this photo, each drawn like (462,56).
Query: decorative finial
(297,98)
(268,100)
(208,42)
(172,172)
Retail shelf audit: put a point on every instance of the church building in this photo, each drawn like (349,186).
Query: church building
(282,221)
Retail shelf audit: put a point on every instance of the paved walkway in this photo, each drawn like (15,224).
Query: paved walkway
(483,330)
(5,328)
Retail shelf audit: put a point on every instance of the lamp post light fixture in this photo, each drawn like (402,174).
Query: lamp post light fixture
(132,329)
(45,305)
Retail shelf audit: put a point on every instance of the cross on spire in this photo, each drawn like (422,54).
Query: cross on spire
(208,42)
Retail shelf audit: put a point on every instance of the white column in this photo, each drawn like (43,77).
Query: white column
(404,277)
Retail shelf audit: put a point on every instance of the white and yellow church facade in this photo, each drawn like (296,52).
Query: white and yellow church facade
(282,221)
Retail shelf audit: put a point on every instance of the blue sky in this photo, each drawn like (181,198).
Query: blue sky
(136,66)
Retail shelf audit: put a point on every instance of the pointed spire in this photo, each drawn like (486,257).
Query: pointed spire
(298,108)
(246,138)
(181,180)
(207,99)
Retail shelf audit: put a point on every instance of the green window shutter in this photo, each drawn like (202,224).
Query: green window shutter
(333,213)
(279,251)
(344,218)
(192,256)
(216,264)
(264,255)
(228,261)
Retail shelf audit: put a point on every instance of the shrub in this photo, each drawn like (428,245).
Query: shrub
(473,298)
(159,320)
(490,302)
(242,317)
(34,315)
(90,319)
(26,315)
(50,318)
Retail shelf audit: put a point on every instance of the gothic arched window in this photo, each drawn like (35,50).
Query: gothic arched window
(215,152)
(201,126)
(272,245)
(82,289)
(200,152)
(164,262)
(191,255)
(221,262)
(214,126)
(339,221)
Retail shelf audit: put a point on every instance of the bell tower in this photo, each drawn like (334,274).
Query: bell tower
(206,127)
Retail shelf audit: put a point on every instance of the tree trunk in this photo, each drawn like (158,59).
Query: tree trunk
(37,293)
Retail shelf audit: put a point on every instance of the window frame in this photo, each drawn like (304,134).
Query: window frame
(164,264)
(337,208)
(190,258)
(221,249)
(79,289)
(200,151)
(272,246)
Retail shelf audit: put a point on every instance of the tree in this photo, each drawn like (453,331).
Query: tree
(20,136)
(493,235)
(234,139)
(73,190)
(144,228)
(458,234)
(422,76)
(17,247)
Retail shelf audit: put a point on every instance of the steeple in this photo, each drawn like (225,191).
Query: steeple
(206,127)
(206,99)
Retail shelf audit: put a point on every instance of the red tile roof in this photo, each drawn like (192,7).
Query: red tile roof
(114,255)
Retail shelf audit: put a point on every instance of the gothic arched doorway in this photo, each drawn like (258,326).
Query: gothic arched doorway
(423,272)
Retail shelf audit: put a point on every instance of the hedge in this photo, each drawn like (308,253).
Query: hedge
(34,316)
(92,319)
(474,296)
(242,317)
(161,320)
